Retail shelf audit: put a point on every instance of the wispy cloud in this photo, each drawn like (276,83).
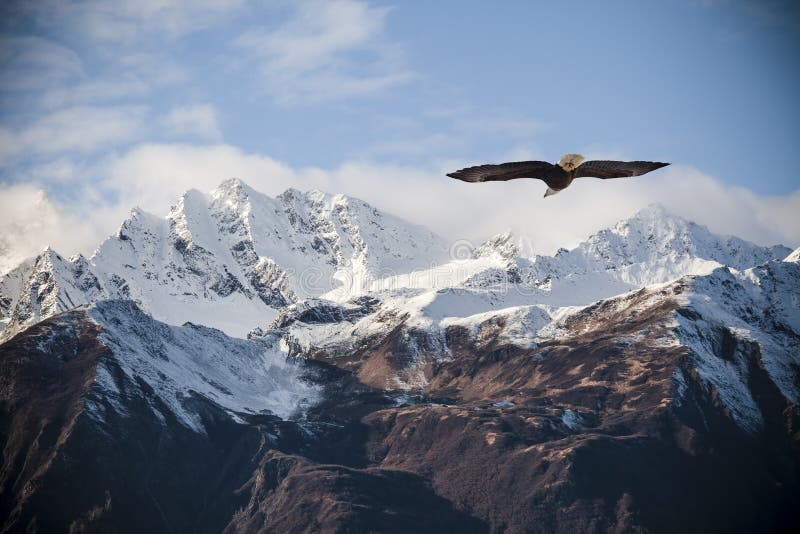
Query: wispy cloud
(327,50)
(31,63)
(129,22)
(198,121)
(81,129)
(153,176)
(456,131)
(129,76)
(422,146)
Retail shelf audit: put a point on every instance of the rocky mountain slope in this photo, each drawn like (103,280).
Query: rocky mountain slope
(654,410)
(647,380)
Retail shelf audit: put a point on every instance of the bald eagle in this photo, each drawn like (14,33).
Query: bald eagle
(559,176)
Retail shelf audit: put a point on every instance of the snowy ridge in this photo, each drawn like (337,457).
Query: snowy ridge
(654,235)
(46,285)
(726,314)
(728,321)
(652,247)
(176,363)
(232,259)
(227,260)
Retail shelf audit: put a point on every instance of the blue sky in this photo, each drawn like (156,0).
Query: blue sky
(107,105)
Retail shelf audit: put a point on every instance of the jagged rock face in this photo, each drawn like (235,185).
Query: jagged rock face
(502,245)
(46,285)
(242,253)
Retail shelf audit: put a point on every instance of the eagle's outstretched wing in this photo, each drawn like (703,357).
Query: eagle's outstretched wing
(510,171)
(616,169)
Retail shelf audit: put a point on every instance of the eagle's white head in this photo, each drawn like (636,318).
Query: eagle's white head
(570,161)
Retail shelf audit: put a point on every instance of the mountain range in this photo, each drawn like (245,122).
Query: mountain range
(308,363)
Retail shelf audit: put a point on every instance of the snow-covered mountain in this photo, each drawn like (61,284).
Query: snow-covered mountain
(674,386)
(384,374)
(227,260)
(653,237)
(653,246)
(334,277)
(43,286)
(234,258)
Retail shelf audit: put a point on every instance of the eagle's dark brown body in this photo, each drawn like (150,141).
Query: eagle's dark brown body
(557,177)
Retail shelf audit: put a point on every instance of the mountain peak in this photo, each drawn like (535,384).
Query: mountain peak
(234,190)
(313,196)
(231,183)
(319,194)
(49,254)
(291,193)
(654,213)
(190,199)
(501,244)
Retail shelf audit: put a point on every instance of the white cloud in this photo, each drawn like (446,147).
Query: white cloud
(313,55)
(459,210)
(153,176)
(102,90)
(129,22)
(61,170)
(29,221)
(195,121)
(125,78)
(56,77)
(81,129)
(30,63)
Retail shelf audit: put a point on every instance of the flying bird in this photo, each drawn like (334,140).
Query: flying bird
(559,176)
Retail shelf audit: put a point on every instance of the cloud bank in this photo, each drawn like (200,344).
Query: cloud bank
(152,176)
